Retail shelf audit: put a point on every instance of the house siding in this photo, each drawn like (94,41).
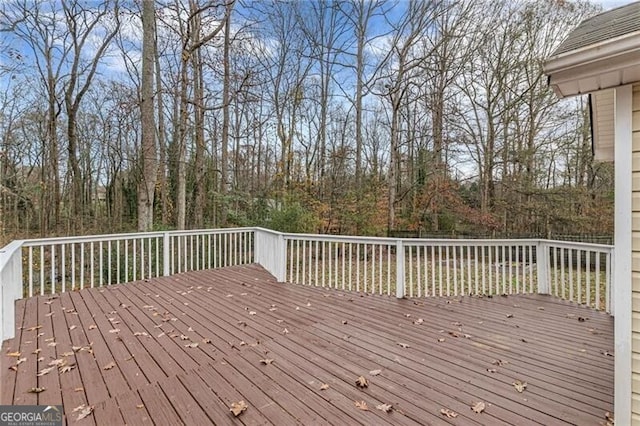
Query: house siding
(635,266)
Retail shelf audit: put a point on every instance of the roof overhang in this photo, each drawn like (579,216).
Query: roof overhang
(610,63)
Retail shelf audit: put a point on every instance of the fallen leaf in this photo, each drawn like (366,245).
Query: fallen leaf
(606,353)
(85,412)
(36,390)
(266,361)
(403,345)
(361,405)
(183,337)
(140,333)
(478,407)
(52,344)
(324,386)
(374,372)
(385,407)
(34,328)
(205,340)
(73,327)
(509,315)
(57,362)
(418,321)
(448,413)
(92,327)
(78,390)
(191,345)
(285,331)
(14,354)
(190,329)
(115,330)
(499,362)
(238,408)
(492,370)
(273,309)
(140,406)
(440,340)
(344,322)
(609,418)
(109,366)
(520,386)
(66,368)
(362,382)
(252,312)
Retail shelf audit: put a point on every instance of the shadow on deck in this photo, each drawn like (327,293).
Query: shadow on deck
(182,349)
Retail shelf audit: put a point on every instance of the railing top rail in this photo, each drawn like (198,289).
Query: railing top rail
(579,245)
(7,251)
(125,236)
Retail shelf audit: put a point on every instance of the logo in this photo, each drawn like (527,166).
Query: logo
(30,415)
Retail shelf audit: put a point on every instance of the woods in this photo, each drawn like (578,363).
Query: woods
(331,116)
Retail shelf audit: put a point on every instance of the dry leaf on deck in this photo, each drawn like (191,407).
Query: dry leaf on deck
(37,351)
(266,361)
(509,315)
(374,372)
(285,331)
(93,327)
(73,327)
(52,344)
(492,370)
(403,345)
(440,340)
(66,368)
(385,407)
(14,354)
(520,386)
(115,330)
(109,366)
(362,382)
(238,408)
(36,390)
(191,345)
(20,361)
(45,371)
(499,362)
(34,328)
(448,413)
(140,333)
(205,340)
(478,407)
(138,406)
(252,312)
(418,321)
(609,418)
(84,412)
(324,386)
(361,405)
(57,362)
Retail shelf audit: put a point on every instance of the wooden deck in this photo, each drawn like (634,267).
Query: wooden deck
(134,358)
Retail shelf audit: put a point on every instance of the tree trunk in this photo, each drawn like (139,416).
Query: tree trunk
(147,181)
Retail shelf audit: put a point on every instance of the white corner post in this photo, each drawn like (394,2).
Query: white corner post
(281,260)
(399,269)
(621,282)
(542,267)
(166,251)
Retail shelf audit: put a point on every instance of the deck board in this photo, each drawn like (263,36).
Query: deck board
(240,315)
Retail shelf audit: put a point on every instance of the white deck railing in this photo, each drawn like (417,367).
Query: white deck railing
(402,267)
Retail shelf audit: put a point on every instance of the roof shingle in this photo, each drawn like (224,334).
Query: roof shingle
(605,26)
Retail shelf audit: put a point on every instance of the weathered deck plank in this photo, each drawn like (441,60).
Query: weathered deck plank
(239,316)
